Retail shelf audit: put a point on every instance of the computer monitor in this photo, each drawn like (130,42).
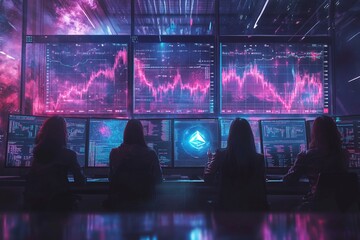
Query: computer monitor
(76,78)
(282,140)
(225,126)
(22,132)
(274,78)
(104,135)
(349,128)
(174,78)
(192,141)
(157,134)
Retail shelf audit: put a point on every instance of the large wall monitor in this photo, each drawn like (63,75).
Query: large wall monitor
(274,78)
(174,78)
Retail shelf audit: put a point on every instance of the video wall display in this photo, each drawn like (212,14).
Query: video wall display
(282,140)
(11,14)
(349,128)
(193,139)
(22,131)
(81,17)
(76,78)
(274,78)
(176,17)
(174,78)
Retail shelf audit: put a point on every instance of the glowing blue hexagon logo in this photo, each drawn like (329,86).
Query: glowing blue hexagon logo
(197,140)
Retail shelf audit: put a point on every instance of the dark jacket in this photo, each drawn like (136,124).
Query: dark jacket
(134,172)
(243,190)
(312,162)
(48,182)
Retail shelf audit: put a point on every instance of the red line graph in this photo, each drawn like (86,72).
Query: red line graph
(173,86)
(76,92)
(305,90)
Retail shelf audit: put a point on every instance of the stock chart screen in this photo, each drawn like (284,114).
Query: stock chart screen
(104,135)
(158,137)
(282,140)
(274,78)
(77,78)
(349,128)
(22,132)
(174,78)
(225,126)
(192,141)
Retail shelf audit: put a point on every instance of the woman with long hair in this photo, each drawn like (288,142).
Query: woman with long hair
(325,154)
(239,171)
(134,170)
(47,185)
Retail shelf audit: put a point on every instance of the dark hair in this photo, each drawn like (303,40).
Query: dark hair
(325,135)
(51,137)
(134,133)
(241,146)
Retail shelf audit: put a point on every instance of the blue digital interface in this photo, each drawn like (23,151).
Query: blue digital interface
(104,135)
(22,132)
(349,128)
(192,140)
(158,137)
(225,126)
(282,140)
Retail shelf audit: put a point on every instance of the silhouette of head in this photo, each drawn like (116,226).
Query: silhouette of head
(325,135)
(241,136)
(134,133)
(53,131)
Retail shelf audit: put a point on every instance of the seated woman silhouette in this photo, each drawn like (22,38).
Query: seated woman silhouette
(325,155)
(47,186)
(239,171)
(134,170)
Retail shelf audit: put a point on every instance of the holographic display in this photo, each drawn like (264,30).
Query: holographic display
(192,140)
(22,132)
(81,17)
(282,140)
(274,78)
(77,78)
(349,128)
(175,17)
(104,135)
(174,78)
(158,137)
(225,126)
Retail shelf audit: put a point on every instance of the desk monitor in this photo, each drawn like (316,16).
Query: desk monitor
(225,126)
(282,140)
(192,140)
(22,132)
(104,134)
(349,128)
(158,137)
